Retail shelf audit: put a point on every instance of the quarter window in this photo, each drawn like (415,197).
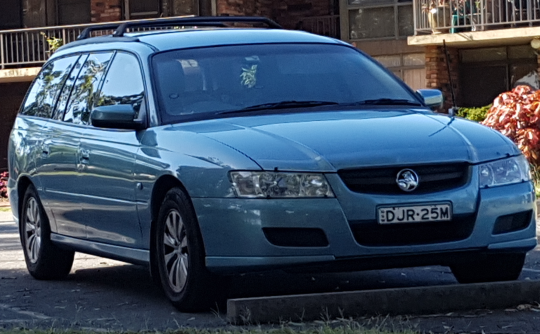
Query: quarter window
(42,96)
(123,84)
(85,88)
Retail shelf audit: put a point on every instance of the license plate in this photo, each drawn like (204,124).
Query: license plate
(415,214)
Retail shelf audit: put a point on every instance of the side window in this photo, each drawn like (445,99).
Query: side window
(42,96)
(85,88)
(66,90)
(123,84)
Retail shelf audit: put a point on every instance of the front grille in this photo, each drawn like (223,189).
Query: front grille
(382,180)
(370,233)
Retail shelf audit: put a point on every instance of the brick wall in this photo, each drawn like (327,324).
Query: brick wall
(105,10)
(286,12)
(11,96)
(437,72)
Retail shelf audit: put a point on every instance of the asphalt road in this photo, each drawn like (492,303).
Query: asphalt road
(106,294)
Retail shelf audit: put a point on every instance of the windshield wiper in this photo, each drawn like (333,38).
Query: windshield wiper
(388,102)
(281,105)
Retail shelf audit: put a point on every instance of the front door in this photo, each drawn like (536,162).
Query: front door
(107,161)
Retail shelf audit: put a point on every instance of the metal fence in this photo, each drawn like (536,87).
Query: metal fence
(454,16)
(27,47)
(30,47)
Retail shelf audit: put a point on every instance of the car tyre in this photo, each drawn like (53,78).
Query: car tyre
(180,257)
(490,268)
(44,260)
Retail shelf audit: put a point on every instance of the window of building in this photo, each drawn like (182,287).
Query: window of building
(10,14)
(408,67)
(44,92)
(380,19)
(141,9)
(487,72)
(73,11)
(85,88)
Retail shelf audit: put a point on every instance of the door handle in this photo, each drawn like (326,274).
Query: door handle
(45,151)
(84,156)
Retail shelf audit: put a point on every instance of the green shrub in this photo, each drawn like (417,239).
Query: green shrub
(477,114)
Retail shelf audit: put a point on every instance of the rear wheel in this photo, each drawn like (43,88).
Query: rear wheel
(44,260)
(180,259)
(490,268)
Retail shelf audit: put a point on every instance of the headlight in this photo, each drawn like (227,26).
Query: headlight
(280,184)
(506,171)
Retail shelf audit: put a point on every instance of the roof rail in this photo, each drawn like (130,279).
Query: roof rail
(208,21)
(88,31)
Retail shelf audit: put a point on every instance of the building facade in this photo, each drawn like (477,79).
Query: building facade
(381,28)
(478,49)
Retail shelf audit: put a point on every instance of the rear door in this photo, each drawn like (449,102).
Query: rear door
(60,178)
(40,103)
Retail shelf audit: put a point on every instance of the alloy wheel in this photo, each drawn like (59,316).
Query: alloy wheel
(175,248)
(32,230)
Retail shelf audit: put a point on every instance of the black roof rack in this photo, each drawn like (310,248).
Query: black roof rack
(208,21)
(120,28)
(88,31)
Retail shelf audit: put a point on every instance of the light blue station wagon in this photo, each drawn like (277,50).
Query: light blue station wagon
(210,151)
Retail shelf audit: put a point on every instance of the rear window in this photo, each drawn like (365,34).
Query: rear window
(198,83)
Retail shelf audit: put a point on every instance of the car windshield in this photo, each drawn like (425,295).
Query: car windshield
(203,82)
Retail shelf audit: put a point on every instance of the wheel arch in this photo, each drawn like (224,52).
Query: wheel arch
(22,185)
(159,191)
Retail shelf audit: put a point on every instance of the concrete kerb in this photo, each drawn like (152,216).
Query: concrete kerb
(401,301)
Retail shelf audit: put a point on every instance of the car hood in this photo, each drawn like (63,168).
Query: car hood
(329,141)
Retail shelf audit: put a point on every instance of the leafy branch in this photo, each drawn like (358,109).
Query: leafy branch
(54,42)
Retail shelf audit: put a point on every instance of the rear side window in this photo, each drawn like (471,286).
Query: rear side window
(86,87)
(44,92)
(123,84)
(63,99)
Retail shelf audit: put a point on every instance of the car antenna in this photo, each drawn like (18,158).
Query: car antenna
(453,110)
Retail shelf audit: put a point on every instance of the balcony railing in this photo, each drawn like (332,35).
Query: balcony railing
(323,25)
(27,47)
(453,16)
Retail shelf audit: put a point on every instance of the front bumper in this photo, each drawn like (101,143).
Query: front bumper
(235,241)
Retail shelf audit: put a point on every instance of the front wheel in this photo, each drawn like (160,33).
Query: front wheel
(179,255)
(44,260)
(490,268)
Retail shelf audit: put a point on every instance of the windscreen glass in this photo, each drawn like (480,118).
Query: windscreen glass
(199,83)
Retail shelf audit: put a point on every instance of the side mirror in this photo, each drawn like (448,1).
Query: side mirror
(433,98)
(117,116)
